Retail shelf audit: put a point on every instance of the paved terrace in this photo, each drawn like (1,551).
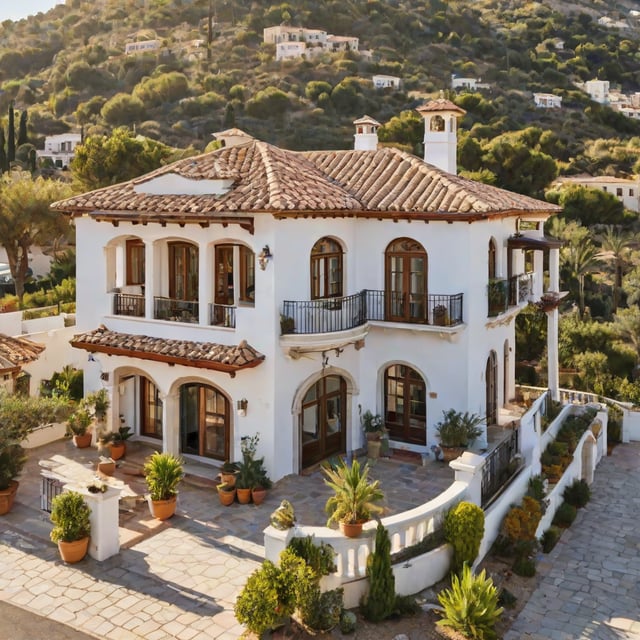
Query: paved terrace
(177,579)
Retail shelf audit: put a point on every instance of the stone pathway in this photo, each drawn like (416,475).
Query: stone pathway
(590,585)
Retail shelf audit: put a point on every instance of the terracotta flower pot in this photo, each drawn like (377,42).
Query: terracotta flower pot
(244,495)
(117,450)
(228,478)
(351,529)
(162,509)
(258,494)
(373,448)
(83,441)
(108,467)
(7,497)
(227,497)
(452,453)
(72,552)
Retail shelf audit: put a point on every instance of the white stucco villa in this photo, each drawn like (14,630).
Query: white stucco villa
(256,289)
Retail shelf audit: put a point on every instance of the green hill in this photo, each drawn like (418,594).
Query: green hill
(69,69)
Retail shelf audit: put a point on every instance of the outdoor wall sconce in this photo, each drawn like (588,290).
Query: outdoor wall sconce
(264,256)
(241,406)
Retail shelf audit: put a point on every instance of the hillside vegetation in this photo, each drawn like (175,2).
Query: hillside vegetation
(67,67)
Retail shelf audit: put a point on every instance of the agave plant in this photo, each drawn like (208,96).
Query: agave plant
(471,605)
(355,497)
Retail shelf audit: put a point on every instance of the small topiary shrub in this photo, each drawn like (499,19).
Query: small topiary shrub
(348,621)
(577,494)
(464,529)
(380,601)
(565,515)
(471,605)
(536,488)
(520,524)
(550,538)
(405,606)
(524,567)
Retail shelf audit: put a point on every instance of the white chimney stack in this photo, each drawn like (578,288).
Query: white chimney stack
(366,135)
(440,133)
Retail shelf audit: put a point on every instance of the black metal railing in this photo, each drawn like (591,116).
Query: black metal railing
(222,315)
(328,315)
(49,489)
(127,304)
(500,466)
(503,294)
(176,310)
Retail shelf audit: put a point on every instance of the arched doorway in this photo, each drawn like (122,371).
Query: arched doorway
(491,378)
(204,421)
(405,404)
(140,404)
(322,419)
(406,273)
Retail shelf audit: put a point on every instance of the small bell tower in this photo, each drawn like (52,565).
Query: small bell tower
(366,135)
(440,133)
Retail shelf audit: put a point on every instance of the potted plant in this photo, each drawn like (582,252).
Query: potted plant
(228,473)
(354,499)
(373,428)
(244,481)
(252,479)
(98,403)
(78,424)
(226,493)
(163,473)
(117,441)
(19,416)
(457,431)
(72,527)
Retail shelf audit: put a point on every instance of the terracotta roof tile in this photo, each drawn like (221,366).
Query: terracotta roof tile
(207,355)
(19,351)
(272,180)
(441,104)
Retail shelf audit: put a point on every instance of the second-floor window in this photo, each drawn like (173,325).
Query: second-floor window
(492,259)
(326,269)
(183,271)
(135,261)
(235,274)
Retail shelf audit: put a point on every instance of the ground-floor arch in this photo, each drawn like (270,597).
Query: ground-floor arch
(405,404)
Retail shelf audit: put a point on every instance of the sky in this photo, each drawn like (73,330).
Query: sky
(17,9)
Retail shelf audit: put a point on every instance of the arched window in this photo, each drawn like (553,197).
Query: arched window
(491,379)
(326,269)
(437,123)
(406,281)
(405,404)
(492,256)
(204,421)
(322,421)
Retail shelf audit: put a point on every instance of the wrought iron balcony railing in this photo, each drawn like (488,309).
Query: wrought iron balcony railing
(176,310)
(126,304)
(328,315)
(222,315)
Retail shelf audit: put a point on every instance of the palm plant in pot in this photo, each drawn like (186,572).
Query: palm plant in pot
(72,527)
(354,499)
(78,424)
(163,473)
(457,431)
(116,441)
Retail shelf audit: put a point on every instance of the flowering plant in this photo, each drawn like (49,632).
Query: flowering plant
(371,422)
(96,486)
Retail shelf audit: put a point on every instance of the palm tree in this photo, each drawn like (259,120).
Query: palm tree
(616,246)
(580,258)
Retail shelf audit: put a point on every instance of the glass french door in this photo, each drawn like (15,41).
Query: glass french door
(183,271)
(491,379)
(405,405)
(204,421)
(150,409)
(406,282)
(322,422)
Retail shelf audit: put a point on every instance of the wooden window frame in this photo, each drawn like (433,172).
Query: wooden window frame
(135,276)
(247,259)
(412,249)
(187,247)
(146,403)
(321,288)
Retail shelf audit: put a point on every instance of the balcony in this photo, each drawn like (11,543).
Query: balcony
(503,293)
(329,315)
(222,315)
(127,304)
(176,310)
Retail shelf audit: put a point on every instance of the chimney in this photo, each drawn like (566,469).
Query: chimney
(232,137)
(440,133)
(366,135)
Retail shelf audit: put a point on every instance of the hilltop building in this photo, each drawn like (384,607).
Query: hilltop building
(259,290)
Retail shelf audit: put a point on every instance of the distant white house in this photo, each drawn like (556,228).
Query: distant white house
(386,82)
(288,50)
(59,149)
(132,48)
(547,100)
(470,84)
(598,90)
(315,41)
(627,191)
(610,23)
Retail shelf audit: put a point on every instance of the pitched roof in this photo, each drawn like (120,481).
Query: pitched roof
(440,104)
(204,355)
(267,179)
(15,352)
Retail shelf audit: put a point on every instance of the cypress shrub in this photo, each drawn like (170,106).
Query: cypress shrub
(565,515)
(380,601)
(577,494)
